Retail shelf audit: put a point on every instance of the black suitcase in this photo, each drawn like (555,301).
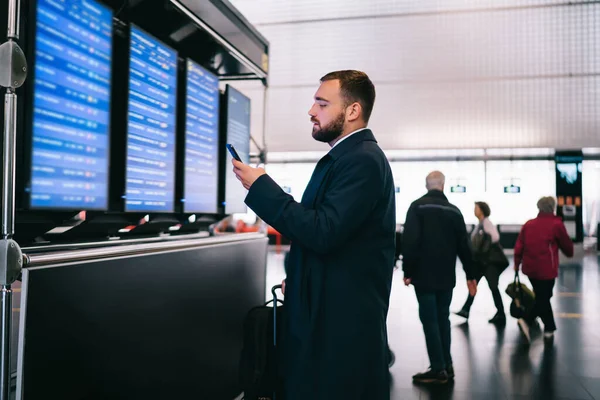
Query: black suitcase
(259,372)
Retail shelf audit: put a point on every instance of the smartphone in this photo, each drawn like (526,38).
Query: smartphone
(233,153)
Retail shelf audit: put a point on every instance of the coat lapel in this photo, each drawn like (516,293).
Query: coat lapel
(316,180)
(325,163)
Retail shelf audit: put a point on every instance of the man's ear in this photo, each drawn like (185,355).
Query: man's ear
(353,112)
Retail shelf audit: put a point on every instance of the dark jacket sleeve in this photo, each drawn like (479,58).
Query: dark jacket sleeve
(464,248)
(564,241)
(356,186)
(411,242)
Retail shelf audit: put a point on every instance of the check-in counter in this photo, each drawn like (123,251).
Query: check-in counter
(159,320)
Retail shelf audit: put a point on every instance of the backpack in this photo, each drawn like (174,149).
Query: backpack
(259,374)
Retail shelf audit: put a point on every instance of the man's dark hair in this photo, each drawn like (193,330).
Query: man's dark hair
(355,86)
(485,209)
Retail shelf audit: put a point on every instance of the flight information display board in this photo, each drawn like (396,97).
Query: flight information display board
(238,134)
(150,166)
(71,105)
(201,140)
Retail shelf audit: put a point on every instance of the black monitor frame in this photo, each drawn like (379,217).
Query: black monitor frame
(223,141)
(26,100)
(181,139)
(118,186)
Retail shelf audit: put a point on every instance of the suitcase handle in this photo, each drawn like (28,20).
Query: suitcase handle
(275,301)
(274,290)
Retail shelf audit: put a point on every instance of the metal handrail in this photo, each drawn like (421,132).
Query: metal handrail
(45,248)
(62,257)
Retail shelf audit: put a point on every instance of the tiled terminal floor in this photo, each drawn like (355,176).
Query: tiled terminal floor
(497,363)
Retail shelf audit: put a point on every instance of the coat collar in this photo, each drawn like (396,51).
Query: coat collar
(363,136)
(436,193)
(546,215)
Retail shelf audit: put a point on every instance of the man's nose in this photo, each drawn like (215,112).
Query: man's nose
(311,112)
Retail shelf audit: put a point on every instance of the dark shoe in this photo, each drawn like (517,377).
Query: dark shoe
(499,318)
(432,377)
(450,372)
(463,313)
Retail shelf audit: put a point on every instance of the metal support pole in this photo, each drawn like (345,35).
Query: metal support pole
(8,153)
(6,324)
(13,72)
(14,13)
(264,120)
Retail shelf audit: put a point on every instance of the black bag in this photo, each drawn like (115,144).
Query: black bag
(497,258)
(259,374)
(487,254)
(523,299)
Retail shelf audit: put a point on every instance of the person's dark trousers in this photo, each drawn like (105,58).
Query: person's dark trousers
(492,278)
(434,312)
(543,293)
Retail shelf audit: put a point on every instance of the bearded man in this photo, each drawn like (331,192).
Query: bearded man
(341,261)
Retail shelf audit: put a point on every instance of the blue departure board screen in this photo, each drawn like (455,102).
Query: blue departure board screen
(71,106)
(150,182)
(238,134)
(201,140)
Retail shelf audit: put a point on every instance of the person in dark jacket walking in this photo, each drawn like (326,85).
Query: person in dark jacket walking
(434,235)
(536,251)
(342,254)
(488,261)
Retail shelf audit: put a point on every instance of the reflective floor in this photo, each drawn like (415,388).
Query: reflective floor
(496,362)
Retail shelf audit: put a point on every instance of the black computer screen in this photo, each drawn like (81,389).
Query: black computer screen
(201,140)
(71,106)
(150,166)
(238,134)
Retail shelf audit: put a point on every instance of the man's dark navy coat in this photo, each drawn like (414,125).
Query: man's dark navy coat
(340,272)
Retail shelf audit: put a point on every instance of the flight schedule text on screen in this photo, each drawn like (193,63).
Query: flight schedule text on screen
(151,125)
(201,140)
(238,134)
(71,106)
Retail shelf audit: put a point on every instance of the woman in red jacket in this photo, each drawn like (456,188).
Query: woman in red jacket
(537,250)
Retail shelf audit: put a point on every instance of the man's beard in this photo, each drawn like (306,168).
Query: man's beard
(329,133)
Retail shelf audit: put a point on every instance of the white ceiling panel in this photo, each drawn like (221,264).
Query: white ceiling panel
(560,113)
(526,74)
(263,12)
(549,41)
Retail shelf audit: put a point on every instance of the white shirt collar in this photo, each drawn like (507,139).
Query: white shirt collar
(347,136)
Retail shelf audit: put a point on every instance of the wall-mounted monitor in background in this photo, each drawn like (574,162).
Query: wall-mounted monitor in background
(201,172)
(71,105)
(512,189)
(237,134)
(150,162)
(458,189)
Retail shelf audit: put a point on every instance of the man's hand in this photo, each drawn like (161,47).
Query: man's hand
(407,281)
(246,174)
(472,285)
(283,286)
